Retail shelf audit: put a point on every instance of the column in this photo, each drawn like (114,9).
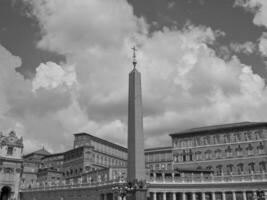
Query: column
(203,196)
(244,195)
(223,196)
(184,197)
(213,196)
(164,195)
(234,195)
(193,196)
(173,196)
(105,196)
(254,195)
(265,194)
(154,196)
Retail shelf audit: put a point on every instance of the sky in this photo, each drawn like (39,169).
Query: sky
(64,67)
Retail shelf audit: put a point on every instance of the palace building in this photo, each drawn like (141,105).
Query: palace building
(231,149)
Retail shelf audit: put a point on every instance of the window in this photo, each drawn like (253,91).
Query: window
(237,137)
(216,139)
(219,170)
(250,150)
(239,151)
(229,152)
(218,153)
(229,169)
(240,168)
(198,155)
(209,168)
(226,138)
(247,136)
(206,140)
(260,148)
(190,155)
(184,156)
(10,151)
(208,155)
(251,167)
(262,166)
(258,134)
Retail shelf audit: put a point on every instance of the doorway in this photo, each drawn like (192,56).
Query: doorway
(5,193)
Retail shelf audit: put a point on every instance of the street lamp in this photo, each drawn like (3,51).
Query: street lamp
(123,189)
(259,195)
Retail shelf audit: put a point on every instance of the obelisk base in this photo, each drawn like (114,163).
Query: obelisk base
(139,194)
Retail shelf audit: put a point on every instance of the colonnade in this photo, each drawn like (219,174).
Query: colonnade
(198,195)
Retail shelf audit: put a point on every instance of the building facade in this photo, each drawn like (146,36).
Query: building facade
(11,149)
(224,162)
(32,162)
(231,149)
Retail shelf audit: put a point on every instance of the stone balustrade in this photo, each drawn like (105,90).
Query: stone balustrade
(192,179)
(196,178)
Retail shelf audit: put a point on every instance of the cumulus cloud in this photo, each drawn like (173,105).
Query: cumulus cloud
(259,9)
(245,48)
(185,84)
(51,76)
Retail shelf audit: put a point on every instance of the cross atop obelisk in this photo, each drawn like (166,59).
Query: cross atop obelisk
(134,56)
(136,158)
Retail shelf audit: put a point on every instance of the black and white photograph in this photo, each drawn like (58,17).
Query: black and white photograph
(133,99)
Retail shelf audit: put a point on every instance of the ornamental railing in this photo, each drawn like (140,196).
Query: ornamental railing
(183,179)
(199,178)
(61,185)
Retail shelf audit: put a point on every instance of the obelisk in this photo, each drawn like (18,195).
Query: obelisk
(136,158)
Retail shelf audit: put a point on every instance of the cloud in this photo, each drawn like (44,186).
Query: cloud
(51,75)
(185,84)
(245,48)
(259,9)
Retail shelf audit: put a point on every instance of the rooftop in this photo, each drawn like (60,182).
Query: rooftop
(41,151)
(221,127)
(100,140)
